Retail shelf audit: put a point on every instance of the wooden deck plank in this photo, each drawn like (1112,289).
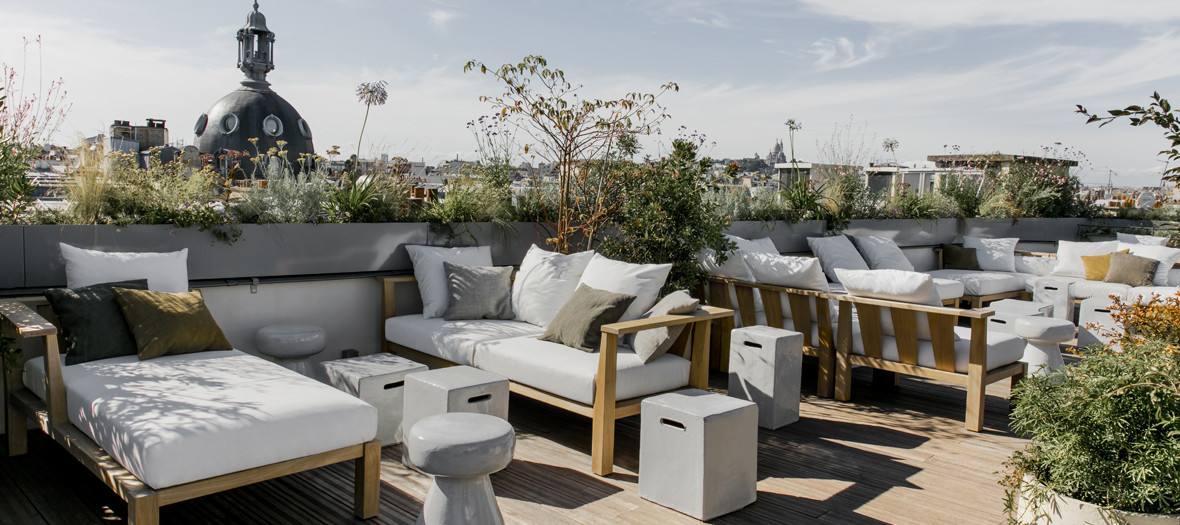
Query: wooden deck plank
(893,455)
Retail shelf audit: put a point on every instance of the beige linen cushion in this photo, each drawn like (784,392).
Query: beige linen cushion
(653,343)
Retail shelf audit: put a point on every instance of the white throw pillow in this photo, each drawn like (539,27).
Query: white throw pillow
(1128,238)
(891,285)
(734,267)
(545,282)
(763,245)
(432,278)
(997,255)
(1035,265)
(165,272)
(641,280)
(836,252)
(1069,256)
(881,253)
(784,270)
(1166,256)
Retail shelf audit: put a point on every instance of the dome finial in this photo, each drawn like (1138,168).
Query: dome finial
(255,6)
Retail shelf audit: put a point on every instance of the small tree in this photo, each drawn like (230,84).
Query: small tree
(568,131)
(1160,113)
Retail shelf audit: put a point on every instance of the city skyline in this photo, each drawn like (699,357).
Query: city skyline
(985,76)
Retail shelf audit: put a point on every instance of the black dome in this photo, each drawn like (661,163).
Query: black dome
(252,112)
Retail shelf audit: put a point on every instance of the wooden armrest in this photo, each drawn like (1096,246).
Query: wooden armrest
(973,313)
(704,313)
(28,322)
(772,287)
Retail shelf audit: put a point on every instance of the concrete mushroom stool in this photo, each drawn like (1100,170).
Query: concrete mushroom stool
(460,450)
(291,344)
(1044,336)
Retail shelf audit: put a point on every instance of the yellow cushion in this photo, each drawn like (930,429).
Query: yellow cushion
(169,323)
(1097,265)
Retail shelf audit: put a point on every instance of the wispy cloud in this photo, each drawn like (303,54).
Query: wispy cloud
(439,18)
(842,53)
(935,14)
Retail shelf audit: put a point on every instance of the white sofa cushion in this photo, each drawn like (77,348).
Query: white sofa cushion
(569,372)
(432,278)
(891,285)
(454,341)
(734,267)
(1128,238)
(763,245)
(1002,348)
(1035,265)
(1069,256)
(641,280)
(788,271)
(546,280)
(182,418)
(165,272)
(994,254)
(1145,292)
(836,252)
(1083,289)
(881,253)
(983,283)
(1166,256)
(946,289)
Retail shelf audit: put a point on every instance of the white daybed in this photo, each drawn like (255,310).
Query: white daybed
(174,428)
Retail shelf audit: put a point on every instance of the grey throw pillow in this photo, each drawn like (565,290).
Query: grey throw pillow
(959,258)
(92,324)
(1130,269)
(650,344)
(578,323)
(478,292)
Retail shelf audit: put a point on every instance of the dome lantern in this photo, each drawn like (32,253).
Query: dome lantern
(256,45)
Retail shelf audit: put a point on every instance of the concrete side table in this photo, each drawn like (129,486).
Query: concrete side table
(765,366)
(460,450)
(1052,291)
(698,452)
(452,389)
(1044,336)
(1008,310)
(291,344)
(378,380)
(1094,311)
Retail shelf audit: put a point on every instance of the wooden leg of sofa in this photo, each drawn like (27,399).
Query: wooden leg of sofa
(976,370)
(367,482)
(602,443)
(144,509)
(843,389)
(18,432)
(824,384)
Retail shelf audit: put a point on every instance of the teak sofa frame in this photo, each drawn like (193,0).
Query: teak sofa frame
(144,502)
(904,317)
(606,408)
(799,301)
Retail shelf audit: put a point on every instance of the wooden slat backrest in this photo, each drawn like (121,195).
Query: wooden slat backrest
(772,306)
(905,333)
(824,313)
(942,336)
(745,299)
(869,316)
(801,315)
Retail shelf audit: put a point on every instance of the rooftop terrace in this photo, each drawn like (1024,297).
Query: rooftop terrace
(893,456)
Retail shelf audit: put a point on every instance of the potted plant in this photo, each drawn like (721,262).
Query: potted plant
(1105,431)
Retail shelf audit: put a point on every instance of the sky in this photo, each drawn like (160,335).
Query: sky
(937,76)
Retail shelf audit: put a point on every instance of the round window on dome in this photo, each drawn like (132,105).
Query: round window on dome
(304,129)
(272,126)
(229,124)
(202,121)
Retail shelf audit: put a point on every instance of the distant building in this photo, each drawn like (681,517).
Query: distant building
(895,179)
(999,162)
(254,110)
(776,155)
(789,172)
(139,140)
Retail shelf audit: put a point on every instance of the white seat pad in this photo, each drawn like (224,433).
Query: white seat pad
(945,288)
(1002,348)
(454,341)
(1145,292)
(983,283)
(182,418)
(1086,289)
(569,372)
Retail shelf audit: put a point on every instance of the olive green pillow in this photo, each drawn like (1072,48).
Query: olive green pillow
(578,323)
(959,258)
(91,322)
(170,323)
(1131,270)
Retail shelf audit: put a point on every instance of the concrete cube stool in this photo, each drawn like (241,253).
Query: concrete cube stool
(291,344)
(1008,310)
(1044,336)
(379,380)
(460,450)
(452,389)
(765,367)
(1094,311)
(698,452)
(1055,292)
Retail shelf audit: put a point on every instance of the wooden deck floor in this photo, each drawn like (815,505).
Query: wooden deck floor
(890,456)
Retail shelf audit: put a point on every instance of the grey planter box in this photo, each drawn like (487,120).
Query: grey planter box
(787,237)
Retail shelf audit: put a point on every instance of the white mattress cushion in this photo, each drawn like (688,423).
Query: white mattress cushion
(1035,265)
(945,288)
(182,418)
(569,372)
(33,376)
(1083,289)
(454,341)
(983,283)
(1145,292)
(1002,348)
